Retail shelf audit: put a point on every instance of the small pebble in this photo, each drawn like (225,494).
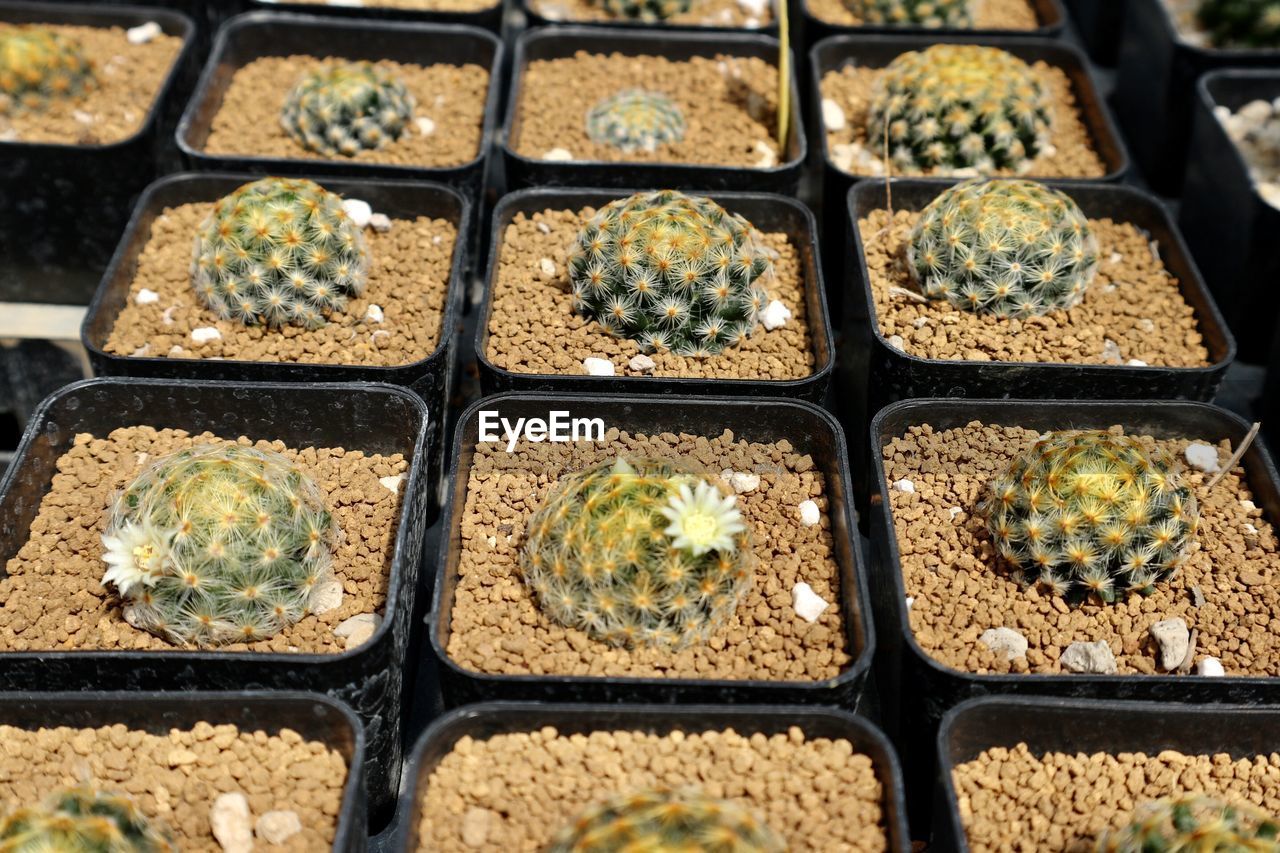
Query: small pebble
(277,827)
(557,154)
(832,116)
(548,267)
(1211,667)
(1135,362)
(954,511)
(905,486)
(374,313)
(1174,639)
(231,823)
(425,125)
(775,315)
(392,483)
(598,366)
(204,334)
(809,513)
(1005,640)
(146,296)
(896,342)
(380,223)
(143,33)
(328,596)
(641,363)
(359,211)
(808,604)
(358,629)
(1092,658)
(768,159)
(1203,457)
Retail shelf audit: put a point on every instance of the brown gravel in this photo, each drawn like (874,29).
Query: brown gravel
(452,96)
(53,598)
(961,590)
(498,629)
(175,778)
(408,280)
(532,328)
(851,89)
(729,105)
(702,13)
(1013,800)
(129,79)
(513,792)
(417,5)
(989,14)
(1134,302)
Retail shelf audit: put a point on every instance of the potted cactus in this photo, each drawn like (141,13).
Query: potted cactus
(667,14)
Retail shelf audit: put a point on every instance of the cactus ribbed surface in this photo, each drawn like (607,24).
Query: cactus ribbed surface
(82,820)
(38,66)
(1241,23)
(341,110)
(636,120)
(1195,824)
(956,14)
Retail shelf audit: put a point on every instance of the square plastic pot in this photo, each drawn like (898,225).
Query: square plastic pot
(312,716)
(1099,24)
(768,213)
(1229,227)
(373,418)
(564,41)
(917,689)
(1060,725)
(810,430)
(1155,88)
(534,18)
(66,204)
(480,722)
(488,19)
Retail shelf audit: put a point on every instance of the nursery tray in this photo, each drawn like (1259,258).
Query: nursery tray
(1073,726)
(1230,228)
(484,721)
(563,41)
(488,19)
(768,213)
(312,716)
(376,418)
(809,429)
(917,689)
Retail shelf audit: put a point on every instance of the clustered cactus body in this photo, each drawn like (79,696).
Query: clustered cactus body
(38,66)
(665,821)
(636,120)
(1086,512)
(341,110)
(920,13)
(646,10)
(638,553)
(82,820)
(1195,824)
(959,106)
(219,544)
(1241,23)
(1006,247)
(670,272)
(279,251)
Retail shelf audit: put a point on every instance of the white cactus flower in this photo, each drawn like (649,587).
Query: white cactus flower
(136,556)
(703,519)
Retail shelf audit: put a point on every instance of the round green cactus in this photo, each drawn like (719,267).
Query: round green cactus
(279,251)
(1241,23)
(919,13)
(341,110)
(636,120)
(1195,824)
(82,820)
(38,66)
(646,10)
(665,821)
(1005,247)
(219,544)
(960,106)
(1091,513)
(638,553)
(670,272)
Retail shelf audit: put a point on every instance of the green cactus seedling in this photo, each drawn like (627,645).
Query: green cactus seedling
(646,10)
(954,14)
(82,820)
(1241,23)
(1195,824)
(341,110)
(636,120)
(39,66)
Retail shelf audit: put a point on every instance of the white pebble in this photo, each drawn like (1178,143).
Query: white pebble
(146,296)
(143,33)
(1115,258)
(359,211)
(954,511)
(809,513)
(1202,457)
(232,826)
(1005,640)
(1249,506)
(910,602)
(328,596)
(743,482)
(204,334)
(346,2)
(1094,658)
(358,629)
(82,116)
(544,228)
(392,483)
(1211,667)
(905,485)
(896,342)
(175,350)
(547,266)
(775,315)
(768,158)
(754,7)
(374,313)
(598,366)
(808,604)
(1135,362)
(557,154)
(141,351)
(1111,352)
(641,363)
(1174,639)
(380,222)
(167,316)
(832,115)
(425,125)
(277,827)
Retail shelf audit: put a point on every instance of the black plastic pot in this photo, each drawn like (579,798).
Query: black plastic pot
(374,418)
(917,689)
(1075,727)
(559,42)
(484,721)
(488,19)
(1228,225)
(536,19)
(769,213)
(63,206)
(312,716)
(1155,88)
(1099,24)
(810,430)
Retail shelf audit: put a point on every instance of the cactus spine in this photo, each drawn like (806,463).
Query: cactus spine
(341,110)
(636,120)
(920,13)
(39,66)
(1195,824)
(219,544)
(82,820)
(1241,23)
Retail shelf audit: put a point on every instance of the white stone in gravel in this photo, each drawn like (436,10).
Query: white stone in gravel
(204,334)
(557,154)
(392,483)
(1005,640)
(910,601)
(358,629)
(775,315)
(1211,667)
(1174,639)
(328,596)
(359,211)
(768,159)
(1094,658)
(809,513)
(146,296)
(425,125)
(1135,362)
(905,485)
(1202,457)
(641,363)
(277,827)
(832,115)
(1111,352)
(808,604)
(547,266)
(232,824)
(478,825)
(1249,506)
(896,342)
(143,33)
(744,482)
(954,511)
(82,116)
(544,228)
(754,7)
(374,313)
(380,222)
(598,366)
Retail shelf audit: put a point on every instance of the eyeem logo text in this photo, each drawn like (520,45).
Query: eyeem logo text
(558,427)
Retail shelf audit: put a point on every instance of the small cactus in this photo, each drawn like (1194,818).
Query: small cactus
(1091,513)
(219,544)
(959,106)
(646,10)
(82,820)
(638,553)
(1005,247)
(1241,23)
(670,272)
(1195,824)
(279,251)
(955,14)
(664,821)
(341,110)
(38,66)
(636,120)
